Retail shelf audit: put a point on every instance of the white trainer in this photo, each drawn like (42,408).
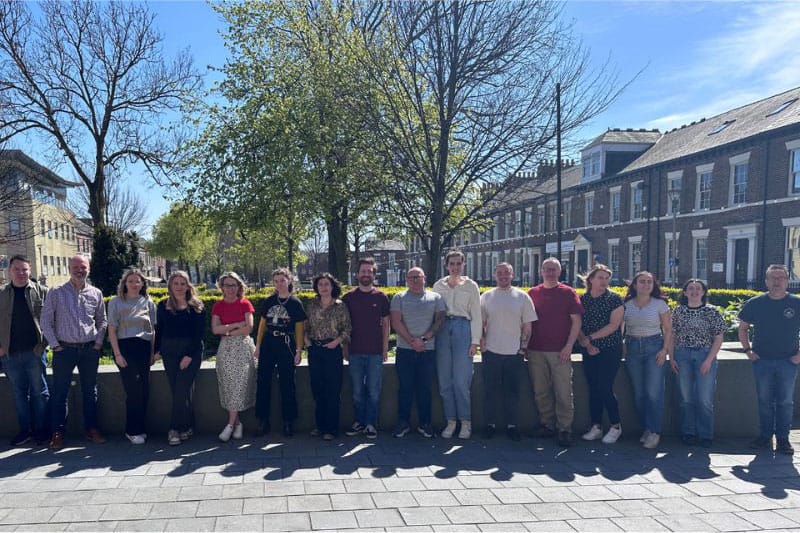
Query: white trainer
(238,431)
(136,439)
(594,433)
(652,441)
(226,433)
(613,434)
(466,429)
(644,436)
(449,430)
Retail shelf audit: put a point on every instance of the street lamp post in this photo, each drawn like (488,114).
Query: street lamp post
(674,192)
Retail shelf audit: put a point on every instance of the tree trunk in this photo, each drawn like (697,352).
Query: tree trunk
(197,270)
(98,203)
(336,226)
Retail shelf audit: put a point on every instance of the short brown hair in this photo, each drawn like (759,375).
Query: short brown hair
(368,261)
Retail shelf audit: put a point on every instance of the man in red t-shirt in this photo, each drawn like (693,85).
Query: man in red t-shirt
(550,352)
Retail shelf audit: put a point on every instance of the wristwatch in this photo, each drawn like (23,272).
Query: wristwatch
(424,338)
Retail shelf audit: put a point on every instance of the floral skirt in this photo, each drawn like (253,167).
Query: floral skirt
(236,373)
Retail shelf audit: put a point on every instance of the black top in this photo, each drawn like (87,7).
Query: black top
(597,315)
(23,328)
(183,324)
(283,313)
(776,322)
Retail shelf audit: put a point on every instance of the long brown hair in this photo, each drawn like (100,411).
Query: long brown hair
(656,287)
(195,303)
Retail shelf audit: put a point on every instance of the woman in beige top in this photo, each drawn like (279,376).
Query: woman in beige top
(328,330)
(456,344)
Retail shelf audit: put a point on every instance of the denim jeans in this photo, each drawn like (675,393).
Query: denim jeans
(325,373)
(647,379)
(775,389)
(64,362)
(600,371)
(697,392)
(415,373)
(366,376)
(454,368)
(26,372)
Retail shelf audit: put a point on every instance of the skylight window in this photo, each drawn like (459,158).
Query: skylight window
(781,107)
(721,127)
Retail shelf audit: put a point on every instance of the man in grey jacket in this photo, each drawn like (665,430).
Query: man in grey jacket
(22,350)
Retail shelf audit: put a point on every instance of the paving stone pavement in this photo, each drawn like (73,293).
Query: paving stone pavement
(412,484)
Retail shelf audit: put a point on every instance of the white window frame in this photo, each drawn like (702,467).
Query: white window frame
(528,225)
(792,225)
(673,178)
(702,170)
(552,222)
(541,219)
(614,265)
(636,188)
(698,236)
(632,241)
(614,192)
(794,161)
(668,240)
(588,212)
(566,212)
(737,161)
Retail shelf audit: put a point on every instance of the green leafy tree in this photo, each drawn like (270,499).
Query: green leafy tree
(114,252)
(184,235)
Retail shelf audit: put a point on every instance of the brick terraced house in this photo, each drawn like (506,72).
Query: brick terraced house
(718,199)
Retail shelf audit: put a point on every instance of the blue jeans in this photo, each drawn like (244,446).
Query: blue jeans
(365,374)
(697,392)
(26,372)
(415,374)
(647,379)
(775,389)
(454,368)
(64,362)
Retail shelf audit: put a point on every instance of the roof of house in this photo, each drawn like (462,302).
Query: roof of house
(33,169)
(747,121)
(626,136)
(387,245)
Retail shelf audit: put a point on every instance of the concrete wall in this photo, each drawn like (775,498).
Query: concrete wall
(736,413)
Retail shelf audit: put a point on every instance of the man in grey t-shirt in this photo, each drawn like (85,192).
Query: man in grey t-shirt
(416,316)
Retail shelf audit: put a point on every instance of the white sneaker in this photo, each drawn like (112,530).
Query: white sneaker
(136,439)
(447,432)
(613,434)
(173,438)
(594,433)
(238,431)
(226,433)
(652,441)
(466,429)
(644,436)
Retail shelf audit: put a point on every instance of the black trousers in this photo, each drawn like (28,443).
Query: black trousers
(501,375)
(600,371)
(181,382)
(276,353)
(325,369)
(136,381)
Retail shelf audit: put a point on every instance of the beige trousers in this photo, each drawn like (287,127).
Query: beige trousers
(552,389)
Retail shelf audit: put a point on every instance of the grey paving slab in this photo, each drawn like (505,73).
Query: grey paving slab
(753,502)
(633,508)
(683,522)
(239,523)
(201,493)
(434,483)
(316,502)
(32,515)
(556,494)
(141,525)
(349,502)
(505,526)
(512,512)
(674,506)
(594,493)
(156,494)
(593,524)
(327,486)
(270,504)
(78,513)
(475,496)
(284,488)
(727,522)
(243,490)
(287,522)
(387,500)
(91,526)
(25,499)
(512,495)
(434,498)
(713,504)
(378,518)
(455,528)
(363,485)
(101,483)
(404,484)
(552,511)
(550,525)
(632,492)
(230,506)
(135,482)
(639,523)
(594,509)
(333,520)
(467,514)
(173,510)
(190,524)
(423,516)
(768,519)
(36,527)
(126,511)
(706,488)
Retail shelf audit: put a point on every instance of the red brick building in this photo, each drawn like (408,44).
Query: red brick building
(718,199)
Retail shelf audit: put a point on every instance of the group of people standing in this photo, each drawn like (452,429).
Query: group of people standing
(438,331)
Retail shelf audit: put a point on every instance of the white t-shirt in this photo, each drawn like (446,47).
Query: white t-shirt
(644,321)
(504,312)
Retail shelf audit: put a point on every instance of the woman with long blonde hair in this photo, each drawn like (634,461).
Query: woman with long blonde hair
(180,328)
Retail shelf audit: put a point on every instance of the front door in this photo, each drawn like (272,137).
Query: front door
(741,251)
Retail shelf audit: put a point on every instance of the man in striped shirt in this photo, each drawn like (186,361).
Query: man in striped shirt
(74,322)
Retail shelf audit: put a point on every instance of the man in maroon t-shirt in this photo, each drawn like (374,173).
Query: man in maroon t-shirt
(550,352)
(369,345)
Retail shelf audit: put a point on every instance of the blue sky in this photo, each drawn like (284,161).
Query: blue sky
(699,58)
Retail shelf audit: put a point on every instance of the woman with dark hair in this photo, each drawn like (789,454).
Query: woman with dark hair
(456,344)
(232,320)
(328,330)
(131,332)
(282,323)
(601,340)
(697,329)
(180,330)
(648,337)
